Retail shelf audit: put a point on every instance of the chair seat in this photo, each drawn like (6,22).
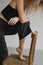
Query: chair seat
(14,60)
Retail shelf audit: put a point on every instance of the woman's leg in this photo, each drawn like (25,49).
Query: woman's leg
(3,47)
(21,48)
(24,30)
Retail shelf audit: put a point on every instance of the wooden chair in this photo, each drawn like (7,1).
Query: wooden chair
(14,59)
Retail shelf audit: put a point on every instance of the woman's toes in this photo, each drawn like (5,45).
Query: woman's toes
(22,58)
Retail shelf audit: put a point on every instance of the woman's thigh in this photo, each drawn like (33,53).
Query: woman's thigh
(12,29)
(9,29)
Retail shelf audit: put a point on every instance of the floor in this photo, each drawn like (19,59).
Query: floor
(38,59)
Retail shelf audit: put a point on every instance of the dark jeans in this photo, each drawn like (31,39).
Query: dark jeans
(5,29)
(3,47)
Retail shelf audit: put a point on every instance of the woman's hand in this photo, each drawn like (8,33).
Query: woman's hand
(13,20)
(26,20)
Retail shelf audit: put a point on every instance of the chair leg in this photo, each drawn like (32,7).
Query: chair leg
(32,47)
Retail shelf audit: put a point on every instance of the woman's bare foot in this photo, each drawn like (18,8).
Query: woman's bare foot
(22,58)
(20,53)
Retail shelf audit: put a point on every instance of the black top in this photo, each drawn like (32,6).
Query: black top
(9,12)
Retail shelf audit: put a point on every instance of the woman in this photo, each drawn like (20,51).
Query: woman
(12,20)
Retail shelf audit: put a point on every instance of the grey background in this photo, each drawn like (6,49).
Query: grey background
(36,25)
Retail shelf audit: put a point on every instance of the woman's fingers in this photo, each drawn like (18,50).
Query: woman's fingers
(13,20)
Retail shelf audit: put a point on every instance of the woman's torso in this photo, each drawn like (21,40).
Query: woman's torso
(13,5)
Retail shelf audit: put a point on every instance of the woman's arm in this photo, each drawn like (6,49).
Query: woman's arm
(20,9)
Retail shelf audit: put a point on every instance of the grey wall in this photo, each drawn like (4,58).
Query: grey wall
(36,25)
